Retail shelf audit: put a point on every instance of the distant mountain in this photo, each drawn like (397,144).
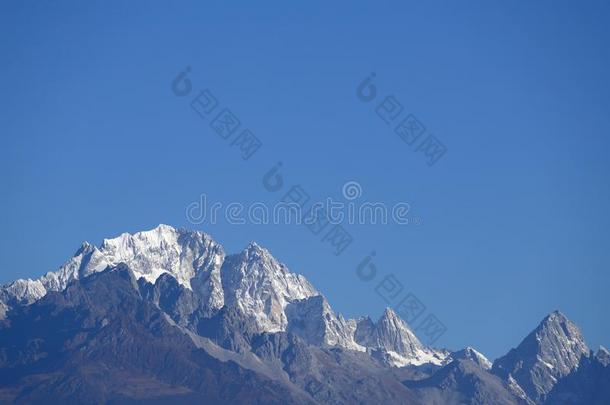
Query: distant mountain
(165,316)
(471,354)
(552,351)
(398,345)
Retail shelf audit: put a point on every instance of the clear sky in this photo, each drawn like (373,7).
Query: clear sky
(515,218)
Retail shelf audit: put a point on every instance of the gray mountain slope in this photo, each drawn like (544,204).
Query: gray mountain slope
(588,385)
(101,340)
(98,341)
(463,382)
(332,376)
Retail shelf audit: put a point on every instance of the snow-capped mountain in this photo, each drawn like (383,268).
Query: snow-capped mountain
(191,257)
(166,315)
(263,290)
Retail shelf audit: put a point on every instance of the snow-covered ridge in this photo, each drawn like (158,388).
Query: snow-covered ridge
(148,254)
(264,290)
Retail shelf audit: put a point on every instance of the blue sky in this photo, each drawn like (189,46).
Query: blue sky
(514,216)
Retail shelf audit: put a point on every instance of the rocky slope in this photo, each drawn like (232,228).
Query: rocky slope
(74,347)
(588,385)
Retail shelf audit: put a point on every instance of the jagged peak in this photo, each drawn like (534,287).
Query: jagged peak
(392,335)
(260,260)
(393,320)
(554,324)
(84,249)
(256,251)
(555,316)
(388,313)
(603,355)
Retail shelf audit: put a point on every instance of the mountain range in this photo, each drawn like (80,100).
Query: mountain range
(166,316)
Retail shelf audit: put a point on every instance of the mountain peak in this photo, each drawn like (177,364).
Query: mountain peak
(397,344)
(548,353)
(84,248)
(555,316)
(388,313)
(474,355)
(250,296)
(391,320)
(603,355)
(261,287)
(164,249)
(254,251)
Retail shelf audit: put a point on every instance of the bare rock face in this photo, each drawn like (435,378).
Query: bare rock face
(314,320)
(261,287)
(552,351)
